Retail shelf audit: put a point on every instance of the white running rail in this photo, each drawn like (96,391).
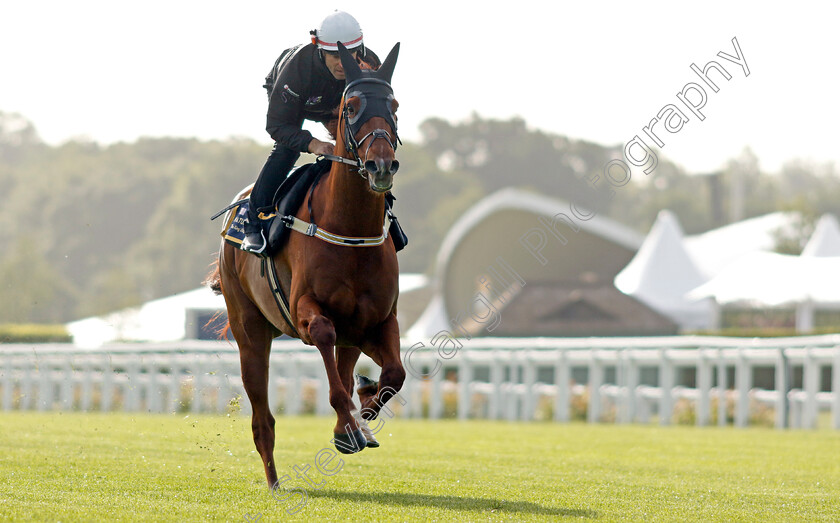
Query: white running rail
(497,378)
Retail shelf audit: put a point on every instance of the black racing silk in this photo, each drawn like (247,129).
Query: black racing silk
(304,89)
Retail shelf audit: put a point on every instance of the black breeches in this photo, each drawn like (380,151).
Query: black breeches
(275,170)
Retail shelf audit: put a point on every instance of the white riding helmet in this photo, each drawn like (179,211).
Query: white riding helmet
(337,27)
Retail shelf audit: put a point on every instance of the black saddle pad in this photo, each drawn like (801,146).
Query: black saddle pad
(288,199)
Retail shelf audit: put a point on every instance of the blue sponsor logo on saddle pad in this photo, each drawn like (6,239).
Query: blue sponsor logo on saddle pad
(234,232)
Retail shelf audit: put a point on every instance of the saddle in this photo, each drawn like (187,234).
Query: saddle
(287,200)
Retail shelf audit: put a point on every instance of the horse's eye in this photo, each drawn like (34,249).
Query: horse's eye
(350,110)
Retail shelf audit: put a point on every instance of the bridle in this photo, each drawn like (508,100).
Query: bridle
(381,95)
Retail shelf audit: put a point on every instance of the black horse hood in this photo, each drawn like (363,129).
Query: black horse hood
(372,87)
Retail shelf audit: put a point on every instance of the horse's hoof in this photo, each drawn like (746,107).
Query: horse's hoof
(350,443)
(364,381)
(371,440)
(367,387)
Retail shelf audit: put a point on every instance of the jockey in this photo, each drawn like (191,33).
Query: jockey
(306,83)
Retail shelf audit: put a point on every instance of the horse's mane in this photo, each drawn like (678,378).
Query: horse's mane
(332,127)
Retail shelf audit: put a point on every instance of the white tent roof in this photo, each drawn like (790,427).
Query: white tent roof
(770,279)
(432,321)
(662,272)
(165,319)
(412,281)
(715,249)
(826,238)
(157,321)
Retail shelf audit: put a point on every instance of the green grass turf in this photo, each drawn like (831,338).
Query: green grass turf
(133,467)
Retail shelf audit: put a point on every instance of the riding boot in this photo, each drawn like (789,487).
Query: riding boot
(272,174)
(255,241)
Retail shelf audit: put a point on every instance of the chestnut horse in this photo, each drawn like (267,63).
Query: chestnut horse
(342,291)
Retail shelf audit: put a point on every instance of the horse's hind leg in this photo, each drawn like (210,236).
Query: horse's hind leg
(384,349)
(253,334)
(254,354)
(347,358)
(320,331)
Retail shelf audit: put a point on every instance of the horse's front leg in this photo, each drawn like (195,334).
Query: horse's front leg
(319,330)
(347,358)
(384,349)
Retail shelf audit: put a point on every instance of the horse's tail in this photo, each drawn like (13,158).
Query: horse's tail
(222,332)
(214,279)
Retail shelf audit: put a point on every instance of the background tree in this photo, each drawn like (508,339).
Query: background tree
(88,229)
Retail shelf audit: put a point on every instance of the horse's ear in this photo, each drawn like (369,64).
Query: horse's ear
(386,70)
(351,68)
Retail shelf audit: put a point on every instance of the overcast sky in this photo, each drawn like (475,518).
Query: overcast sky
(114,70)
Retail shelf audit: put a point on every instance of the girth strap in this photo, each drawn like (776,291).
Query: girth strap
(277,292)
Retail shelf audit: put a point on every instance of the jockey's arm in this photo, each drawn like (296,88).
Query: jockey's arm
(284,120)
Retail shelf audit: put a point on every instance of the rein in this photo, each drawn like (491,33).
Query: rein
(340,159)
(357,162)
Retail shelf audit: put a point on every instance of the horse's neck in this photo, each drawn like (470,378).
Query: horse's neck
(351,208)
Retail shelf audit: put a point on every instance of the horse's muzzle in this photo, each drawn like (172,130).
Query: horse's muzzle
(381,173)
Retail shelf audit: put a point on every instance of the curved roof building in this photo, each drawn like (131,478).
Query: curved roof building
(522,264)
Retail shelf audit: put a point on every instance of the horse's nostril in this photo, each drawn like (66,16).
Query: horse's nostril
(395,165)
(371,167)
